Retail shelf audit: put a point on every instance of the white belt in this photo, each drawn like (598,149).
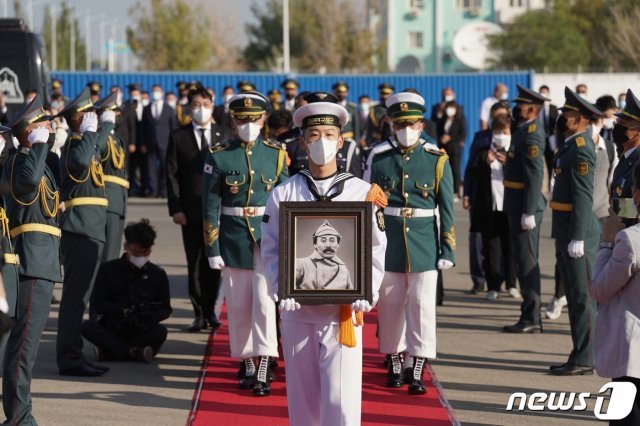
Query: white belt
(242,211)
(409,212)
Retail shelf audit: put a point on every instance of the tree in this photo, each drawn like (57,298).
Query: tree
(626,38)
(543,40)
(64,22)
(171,35)
(330,36)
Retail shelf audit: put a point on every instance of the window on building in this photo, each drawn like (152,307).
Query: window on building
(416,4)
(516,3)
(415,40)
(470,4)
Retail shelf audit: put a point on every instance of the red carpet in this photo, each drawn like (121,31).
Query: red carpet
(218,401)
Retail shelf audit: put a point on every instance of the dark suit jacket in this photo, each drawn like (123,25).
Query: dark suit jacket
(222,118)
(549,121)
(157,131)
(481,140)
(435,111)
(127,123)
(457,131)
(185,162)
(482,200)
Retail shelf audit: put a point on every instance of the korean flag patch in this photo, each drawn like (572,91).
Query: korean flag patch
(208,169)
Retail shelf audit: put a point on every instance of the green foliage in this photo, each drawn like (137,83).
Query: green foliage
(63,22)
(170,35)
(324,36)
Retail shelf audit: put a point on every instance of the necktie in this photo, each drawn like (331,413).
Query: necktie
(204,144)
(155,108)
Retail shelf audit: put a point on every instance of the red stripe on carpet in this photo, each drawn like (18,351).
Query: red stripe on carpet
(217,399)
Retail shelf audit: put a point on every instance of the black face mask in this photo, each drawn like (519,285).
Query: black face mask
(619,136)
(51,140)
(516,113)
(561,125)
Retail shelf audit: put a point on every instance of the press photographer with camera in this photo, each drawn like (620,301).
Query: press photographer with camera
(131,298)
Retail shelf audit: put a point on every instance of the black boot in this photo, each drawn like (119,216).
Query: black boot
(394,374)
(249,375)
(261,385)
(416,386)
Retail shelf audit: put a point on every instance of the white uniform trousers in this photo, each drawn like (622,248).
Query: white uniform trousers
(251,312)
(407,313)
(324,377)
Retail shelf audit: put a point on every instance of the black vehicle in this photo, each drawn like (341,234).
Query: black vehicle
(23,62)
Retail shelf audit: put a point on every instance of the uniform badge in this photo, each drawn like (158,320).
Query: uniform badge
(619,191)
(532,151)
(404,107)
(582,168)
(234,190)
(248,102)
(208,169)
(532,127)
(425,194)
(380,219)
(580,142)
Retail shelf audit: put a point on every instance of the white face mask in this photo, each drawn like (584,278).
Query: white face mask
(136,98)
(407,136)
(138,262)
(449,98)
(202,115)
(157,95)
(227,98)
(608,122)
(145,102)
(504,96)
(323,151)
(172,104)
(450,111)
(595,131)
(365,108)
(249,132)
(501,141)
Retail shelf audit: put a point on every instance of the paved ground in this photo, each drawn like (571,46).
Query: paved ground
(478,366)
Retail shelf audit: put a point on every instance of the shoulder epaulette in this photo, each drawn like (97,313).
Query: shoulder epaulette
(273,144)
(433,149)
(580,142)
(532,128)
(219,147)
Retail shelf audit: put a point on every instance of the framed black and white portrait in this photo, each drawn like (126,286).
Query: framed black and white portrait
(325,252)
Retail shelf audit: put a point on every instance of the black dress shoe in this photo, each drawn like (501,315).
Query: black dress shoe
(522,328)
(83,370)
(416,385)
(572,370)
(261,385)
(395,377)
(556,366)
(213,322)
(197,325)
(477,288)
(261,388)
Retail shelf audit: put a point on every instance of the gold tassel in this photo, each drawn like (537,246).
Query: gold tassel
(4,222)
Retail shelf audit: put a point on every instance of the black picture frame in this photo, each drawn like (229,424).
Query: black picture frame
(298,222)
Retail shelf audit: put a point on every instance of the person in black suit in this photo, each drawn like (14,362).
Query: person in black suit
(452,132)
(549,116)
(158,121)
(437,109)
(126,122)
(221,113)
(186,152)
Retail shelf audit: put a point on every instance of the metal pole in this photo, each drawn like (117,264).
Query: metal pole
(72,41)
(87,40)
(285,37)
(112,41)
(5,8)
(30,13)
(102,50)
(54,39)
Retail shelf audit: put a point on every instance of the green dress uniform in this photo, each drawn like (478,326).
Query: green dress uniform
(10,262)
(351,130)
(83,227)
(32,208)
(622,181)
(523,175)
(573,220)
(377,128)
(114,167)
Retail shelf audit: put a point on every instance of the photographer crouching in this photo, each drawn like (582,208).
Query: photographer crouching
(131,298)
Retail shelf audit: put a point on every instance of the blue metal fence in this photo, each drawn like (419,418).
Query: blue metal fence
(470,88)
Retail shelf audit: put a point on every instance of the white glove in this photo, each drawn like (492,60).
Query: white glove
(444,264)
(361,306)
(274,297)
(576,249)
(528,222)
(289,305)
(4,306)
(108,117)
(89,122)
(38,135)
(216,262)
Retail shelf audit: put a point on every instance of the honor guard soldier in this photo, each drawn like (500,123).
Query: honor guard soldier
(378,129)
(576,228)
(83,226)
(626,135)
(245,86)
(524,204)
(417,179)
(321,346)
(275,99)
(182,109)
(352,128)
(95,88)
(239,175)
(290,87)
(116,184)
(32,209)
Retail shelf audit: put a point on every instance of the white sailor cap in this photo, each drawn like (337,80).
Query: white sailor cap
(319,114)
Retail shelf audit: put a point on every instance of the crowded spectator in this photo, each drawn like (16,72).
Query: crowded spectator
(437,110)
(548,115)
(500,93)
(221,113)
(607,104)
(131,297)
(452,132)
